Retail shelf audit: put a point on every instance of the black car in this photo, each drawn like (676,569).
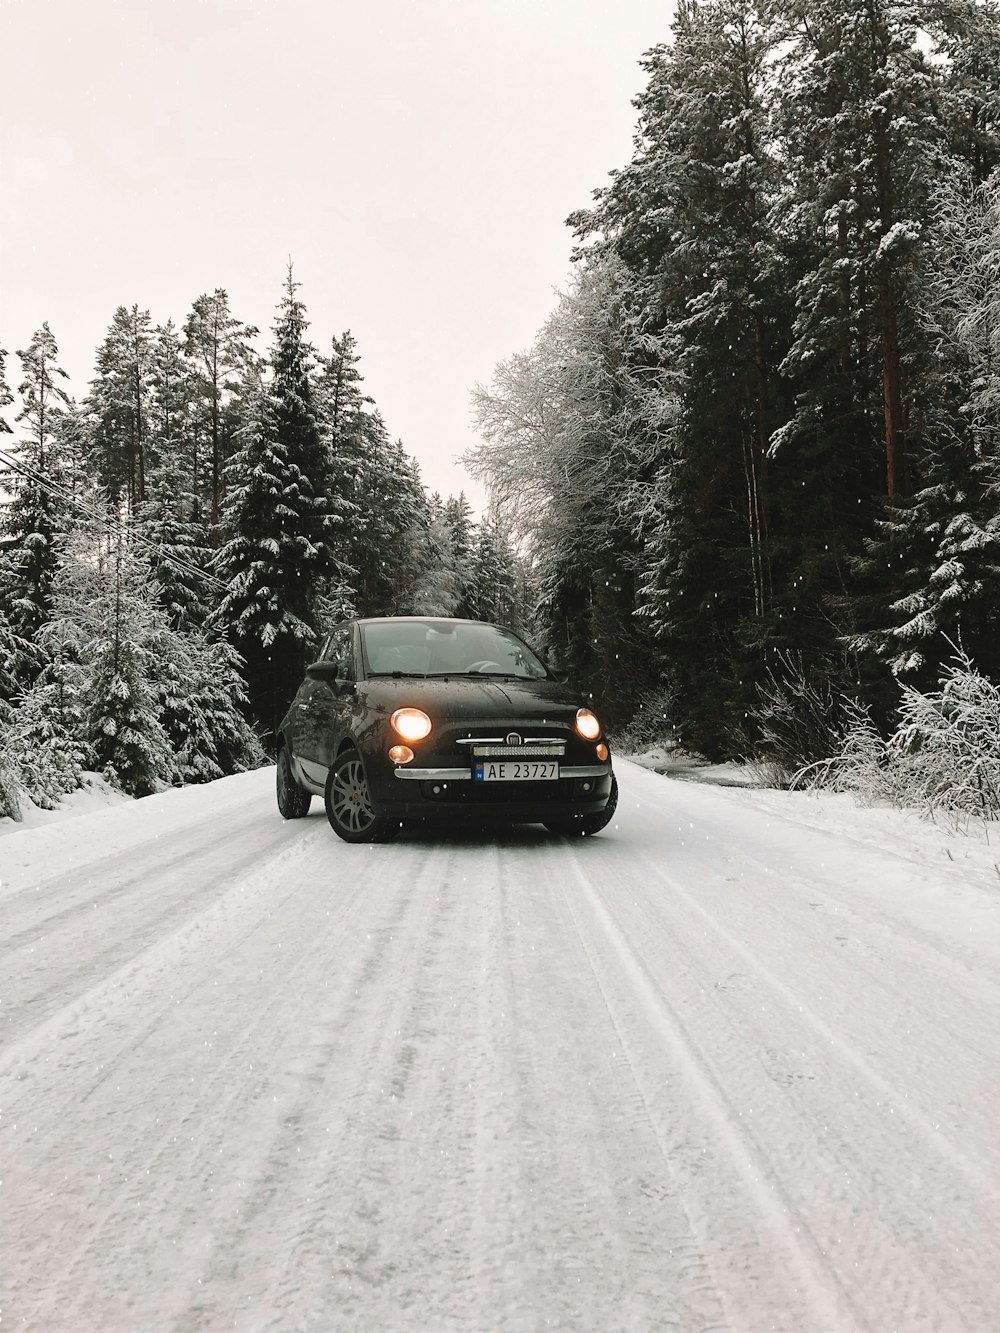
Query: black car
(425,718)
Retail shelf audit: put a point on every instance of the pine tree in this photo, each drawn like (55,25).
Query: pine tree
(873,120)
(749,421)
(17,660)
(7,638)
(942,548)
(339,388)
(437,587)
(694,212)
(107,630)
(218,347)
(372,481)
(46,729)
(118,407)
(72,434)
(965,37)
(376,521)
(865,143)
(491,590)
(10,791)
(948,556)
(36,513)
(6,397)
(175,540)
(962,304)
(375,485)
(405,507)
(200,692)
(462,529)
(277,561)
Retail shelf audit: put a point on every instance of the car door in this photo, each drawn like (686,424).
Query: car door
(299,721)
(321,706)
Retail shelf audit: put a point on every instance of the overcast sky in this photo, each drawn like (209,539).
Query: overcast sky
(416,159)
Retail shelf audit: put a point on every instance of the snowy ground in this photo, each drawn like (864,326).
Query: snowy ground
(676,763)
(95,794)
(733,1065)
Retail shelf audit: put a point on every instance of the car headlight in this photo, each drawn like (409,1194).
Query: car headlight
(412,724)
(587,724)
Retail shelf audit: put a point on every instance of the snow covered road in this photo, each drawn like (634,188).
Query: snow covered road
(733,1065)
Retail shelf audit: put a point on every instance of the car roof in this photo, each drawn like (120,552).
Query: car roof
(419,620)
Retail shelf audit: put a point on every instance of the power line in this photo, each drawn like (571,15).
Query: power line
(110,522)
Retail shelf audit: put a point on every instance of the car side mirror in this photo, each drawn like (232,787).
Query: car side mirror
(325,670)
(561,676)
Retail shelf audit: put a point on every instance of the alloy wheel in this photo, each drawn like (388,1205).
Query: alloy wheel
(348,801)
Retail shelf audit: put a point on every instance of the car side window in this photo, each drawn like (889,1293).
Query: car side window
(339,649)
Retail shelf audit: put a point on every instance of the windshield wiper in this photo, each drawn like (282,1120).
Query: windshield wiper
(398,675)
(475,675)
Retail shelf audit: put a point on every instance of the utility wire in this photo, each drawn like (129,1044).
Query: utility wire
(110,522)
(114,525)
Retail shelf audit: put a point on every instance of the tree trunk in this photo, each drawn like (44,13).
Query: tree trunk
(897,487)
(216,468)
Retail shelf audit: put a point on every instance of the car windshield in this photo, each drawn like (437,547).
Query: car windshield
(447,648)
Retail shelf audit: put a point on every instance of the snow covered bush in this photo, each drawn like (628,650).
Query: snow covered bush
(10,795)
(651,724)
(49,758)
(15,653)
(860,765)
(799,721)
(49,753)
(200,691)
(943,756)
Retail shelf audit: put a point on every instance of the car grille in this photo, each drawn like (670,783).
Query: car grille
(537,743)
(500,793)
(484,750)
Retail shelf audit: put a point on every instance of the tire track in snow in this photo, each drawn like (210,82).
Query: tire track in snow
(828,1037)
(120,958)
(817,1299)
(320,1193)
(54,972)
(106,881)
(166,1096)
(254,1075)
(612,1170)
(899,1214)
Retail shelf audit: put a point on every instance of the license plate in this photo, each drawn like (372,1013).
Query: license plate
(508,770)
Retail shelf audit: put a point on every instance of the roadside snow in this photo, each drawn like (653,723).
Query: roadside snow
(733,1064)
(95,794)
(670,761)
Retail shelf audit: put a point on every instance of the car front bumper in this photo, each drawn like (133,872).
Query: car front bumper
(451,795)
(464,775)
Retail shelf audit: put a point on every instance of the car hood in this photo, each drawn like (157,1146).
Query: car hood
(461,697)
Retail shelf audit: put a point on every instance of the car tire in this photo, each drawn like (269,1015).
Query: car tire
(587,825)
(293,802)
(348,803)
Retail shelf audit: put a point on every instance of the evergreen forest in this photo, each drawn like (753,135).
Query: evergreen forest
(175,545)
(754,449)
(744,485)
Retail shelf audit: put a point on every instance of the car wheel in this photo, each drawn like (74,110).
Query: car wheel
(587,825)
(293,802)
(348,803)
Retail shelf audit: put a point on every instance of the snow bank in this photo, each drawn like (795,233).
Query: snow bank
(96,794)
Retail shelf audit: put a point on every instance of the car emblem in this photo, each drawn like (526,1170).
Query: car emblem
(514,739)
